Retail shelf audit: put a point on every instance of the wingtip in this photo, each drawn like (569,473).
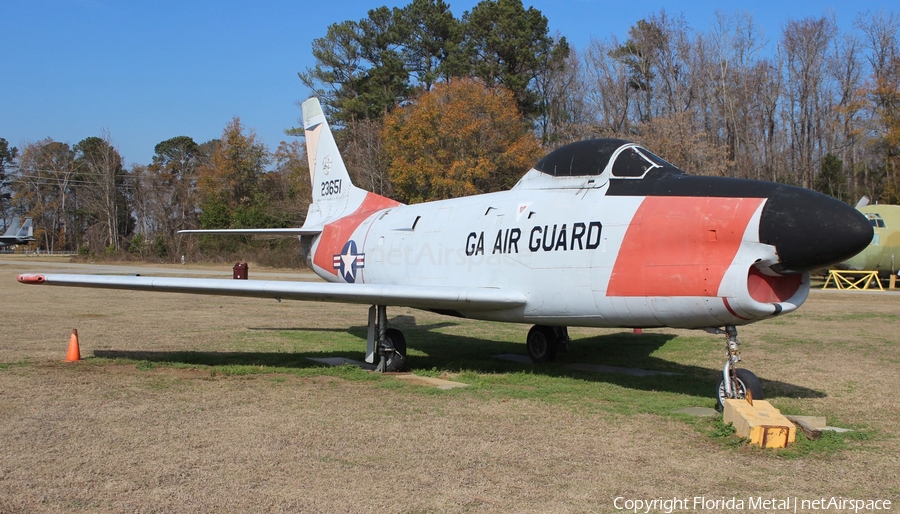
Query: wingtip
(31,279)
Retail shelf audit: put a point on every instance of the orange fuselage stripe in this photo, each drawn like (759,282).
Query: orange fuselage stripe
(680,246)
(336,234)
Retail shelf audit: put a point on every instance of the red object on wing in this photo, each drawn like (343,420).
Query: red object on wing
(31,279)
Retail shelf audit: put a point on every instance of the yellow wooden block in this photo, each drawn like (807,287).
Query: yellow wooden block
(761,423)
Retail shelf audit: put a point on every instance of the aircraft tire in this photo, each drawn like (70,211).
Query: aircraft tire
(395,361)
(542,344)
(746,380)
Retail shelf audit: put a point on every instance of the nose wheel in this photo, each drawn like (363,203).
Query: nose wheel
(735,383)
(743,385)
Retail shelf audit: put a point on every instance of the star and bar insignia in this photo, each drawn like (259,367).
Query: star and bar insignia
(349,261)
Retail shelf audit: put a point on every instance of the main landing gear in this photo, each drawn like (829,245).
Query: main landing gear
(543,343)
(384,345)
(735,383)
(387,347)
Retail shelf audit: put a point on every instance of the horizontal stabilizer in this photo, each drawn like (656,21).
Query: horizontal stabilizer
(420,297)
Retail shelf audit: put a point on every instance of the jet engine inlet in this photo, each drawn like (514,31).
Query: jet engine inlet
(772,288)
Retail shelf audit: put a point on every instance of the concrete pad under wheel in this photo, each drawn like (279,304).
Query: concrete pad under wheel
(430,381)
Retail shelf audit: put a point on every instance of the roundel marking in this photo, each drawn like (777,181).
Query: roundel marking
(349,261)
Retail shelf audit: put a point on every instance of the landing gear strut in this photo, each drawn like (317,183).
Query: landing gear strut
(385,345)
(543,343)
(735,383)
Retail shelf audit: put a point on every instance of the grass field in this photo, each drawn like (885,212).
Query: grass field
(195,403)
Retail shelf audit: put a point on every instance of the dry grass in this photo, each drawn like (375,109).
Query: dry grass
(107,435)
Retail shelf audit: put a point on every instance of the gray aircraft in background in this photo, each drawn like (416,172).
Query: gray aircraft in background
(18,235)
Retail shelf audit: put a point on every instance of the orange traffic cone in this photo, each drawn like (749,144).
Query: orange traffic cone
(74,351)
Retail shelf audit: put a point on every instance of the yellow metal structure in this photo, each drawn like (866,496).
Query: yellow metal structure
(759,422)
(851,279)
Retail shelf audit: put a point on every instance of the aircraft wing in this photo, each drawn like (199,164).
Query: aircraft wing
(420,297)
(258,231)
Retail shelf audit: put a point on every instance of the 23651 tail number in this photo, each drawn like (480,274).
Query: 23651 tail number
(331,187)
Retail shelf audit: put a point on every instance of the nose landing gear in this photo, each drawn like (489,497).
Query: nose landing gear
(736,383)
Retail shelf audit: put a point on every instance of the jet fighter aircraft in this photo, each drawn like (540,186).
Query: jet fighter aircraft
(16,235)
(600,233)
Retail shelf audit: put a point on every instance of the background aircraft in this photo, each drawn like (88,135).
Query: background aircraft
(600,233)
(16,235)
(883,252)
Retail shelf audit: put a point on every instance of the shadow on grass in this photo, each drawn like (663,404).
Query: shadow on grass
(431,350)
(402,321)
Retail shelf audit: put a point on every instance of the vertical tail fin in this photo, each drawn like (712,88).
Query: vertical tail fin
(27,230)
(334,197)
(333,194)
(13,229)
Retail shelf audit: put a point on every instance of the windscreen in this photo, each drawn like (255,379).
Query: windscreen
(635,162)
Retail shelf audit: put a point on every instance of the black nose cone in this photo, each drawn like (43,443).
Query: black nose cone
(810,230)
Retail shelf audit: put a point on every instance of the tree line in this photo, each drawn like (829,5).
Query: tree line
(427,105)
(813,107)
(84,200)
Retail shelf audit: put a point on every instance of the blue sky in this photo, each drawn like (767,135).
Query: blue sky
(149,71)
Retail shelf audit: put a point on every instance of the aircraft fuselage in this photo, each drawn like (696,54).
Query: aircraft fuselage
(664,250)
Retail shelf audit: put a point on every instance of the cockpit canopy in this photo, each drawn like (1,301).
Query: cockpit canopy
(592,157)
